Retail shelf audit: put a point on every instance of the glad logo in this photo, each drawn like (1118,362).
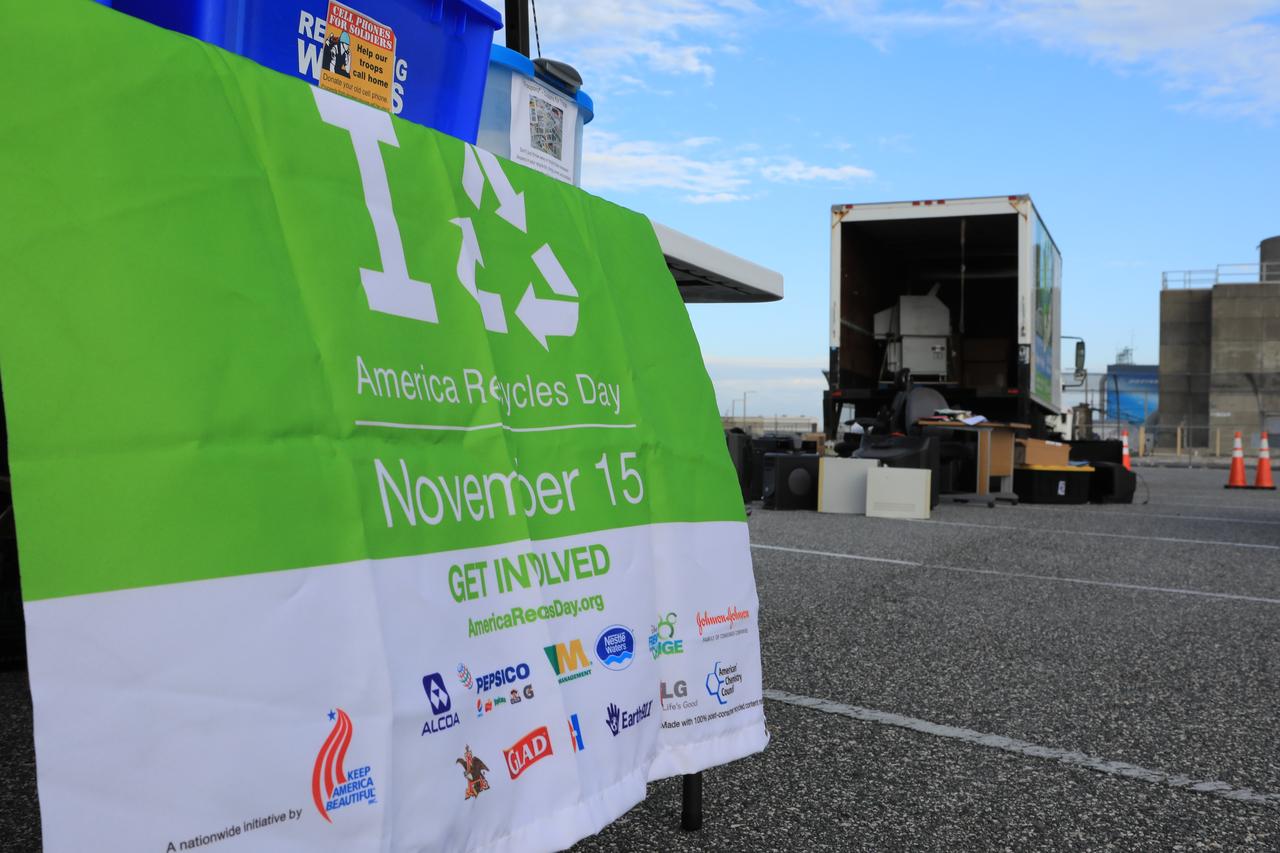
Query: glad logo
(530,749)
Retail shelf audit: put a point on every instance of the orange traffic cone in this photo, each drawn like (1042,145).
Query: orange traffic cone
(1235,480)
(1263,480)
(1124,445)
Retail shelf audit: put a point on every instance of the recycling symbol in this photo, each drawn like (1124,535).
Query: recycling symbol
(543,317)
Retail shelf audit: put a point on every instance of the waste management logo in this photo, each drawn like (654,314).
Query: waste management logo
(332,787)
(392,291)
(568,660)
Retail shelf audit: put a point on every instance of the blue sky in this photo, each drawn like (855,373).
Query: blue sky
(1145,131)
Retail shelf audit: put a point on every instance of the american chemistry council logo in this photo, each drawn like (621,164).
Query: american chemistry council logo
(332,786)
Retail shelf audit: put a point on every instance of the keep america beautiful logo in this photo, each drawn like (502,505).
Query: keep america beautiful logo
(332,787)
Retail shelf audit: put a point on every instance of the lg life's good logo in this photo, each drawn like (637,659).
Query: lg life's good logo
(616,647)
(675,696)
(568,660)
(717,626)
(722,680)
(441,705)
(392,291)
(473,770)
(619,721)
(575,734)
(527,751)
(662,640)
(332,787)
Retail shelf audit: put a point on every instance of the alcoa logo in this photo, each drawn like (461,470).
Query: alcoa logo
(391,290)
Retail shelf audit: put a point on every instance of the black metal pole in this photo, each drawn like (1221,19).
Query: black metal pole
(516,23)
(691,803)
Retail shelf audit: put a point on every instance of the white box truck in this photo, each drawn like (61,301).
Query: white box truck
(960,294)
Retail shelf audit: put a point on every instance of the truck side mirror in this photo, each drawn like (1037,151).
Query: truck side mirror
(1079,356)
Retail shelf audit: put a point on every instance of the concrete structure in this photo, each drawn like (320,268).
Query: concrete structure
(1186,335)
(1220,351)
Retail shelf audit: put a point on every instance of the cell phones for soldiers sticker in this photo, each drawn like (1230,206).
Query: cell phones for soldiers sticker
(358,58)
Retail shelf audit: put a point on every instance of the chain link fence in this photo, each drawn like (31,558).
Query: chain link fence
(1192,415)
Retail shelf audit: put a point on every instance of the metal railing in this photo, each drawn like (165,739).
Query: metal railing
(1180,441)
(1222,274)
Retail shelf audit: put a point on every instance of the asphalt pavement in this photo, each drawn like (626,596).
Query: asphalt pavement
(1017,678)
(1140,639)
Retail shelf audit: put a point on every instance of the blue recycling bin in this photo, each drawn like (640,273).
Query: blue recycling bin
(531,118)
(442,46)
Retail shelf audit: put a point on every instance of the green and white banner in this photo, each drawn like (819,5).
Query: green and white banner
(370,491)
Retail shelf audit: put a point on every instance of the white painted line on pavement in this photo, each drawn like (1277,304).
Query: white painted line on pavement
(1100,533)
(1211,504)
(1022,747)
(1026,575)
(1137,514)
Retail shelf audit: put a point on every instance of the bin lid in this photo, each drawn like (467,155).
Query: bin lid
(492,16)
(518,63)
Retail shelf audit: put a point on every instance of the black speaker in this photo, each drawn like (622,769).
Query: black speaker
(756,465)
(1112,484)
(1096,450)
(790,481)
(740,452)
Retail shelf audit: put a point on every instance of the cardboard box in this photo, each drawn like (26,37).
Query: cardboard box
(819,440)
(1033,451)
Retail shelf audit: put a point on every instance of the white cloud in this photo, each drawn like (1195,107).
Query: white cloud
(715,198)
(608,39)
(610,163)
(1222,54)
(792,170)
(695,168)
